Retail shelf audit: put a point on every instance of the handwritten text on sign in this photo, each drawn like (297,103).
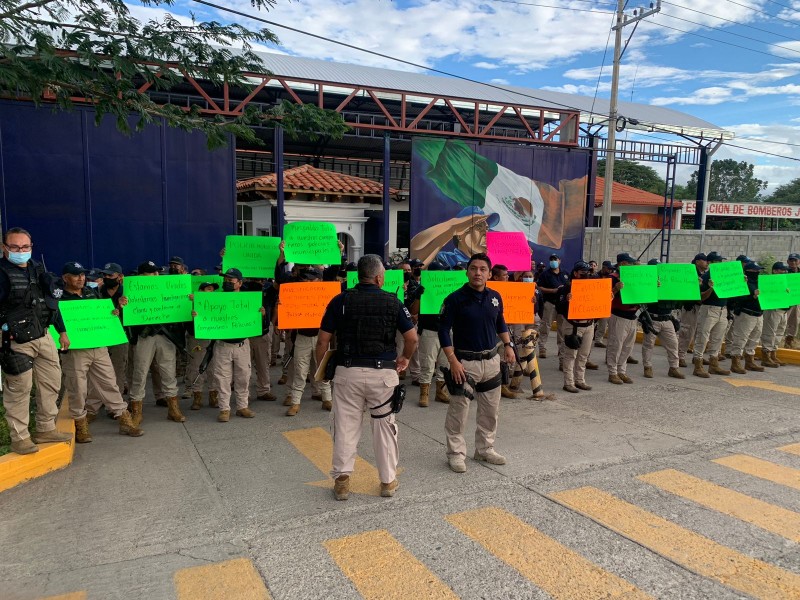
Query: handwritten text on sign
(311,243)
(678,281)
(393,282)
(728,278)
(228,315)
(438,285)
(509,248)
(90,324)
(517,300)
(157,299)
(591,299)
(254,256)
(302,305)
(640,284)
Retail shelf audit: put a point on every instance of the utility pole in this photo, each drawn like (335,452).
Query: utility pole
(611,145)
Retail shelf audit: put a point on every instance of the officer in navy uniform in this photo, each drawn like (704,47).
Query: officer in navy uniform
(550,283)
(747,324)
(365,319)
(712,322)
(661,325)
(578,335)
(474,313)
(27,346)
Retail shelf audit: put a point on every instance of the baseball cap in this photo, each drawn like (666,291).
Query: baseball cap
(780,266)
(653,261)
(235,273)
(351,266)
(714,257)
(415,262)
(111,269)
(206,284)
(581,266)
(607,263)
(177,260)
(556,256)
(148,267)
(73,268)
(700,256)
(794,256)
(625,257)
(743,258)
(752,265)
(437,266)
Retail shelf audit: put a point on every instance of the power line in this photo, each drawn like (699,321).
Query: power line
(602,65)
(761,12)
(558,7)
(731,21)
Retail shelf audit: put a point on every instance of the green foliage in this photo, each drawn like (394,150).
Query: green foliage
(635,175)
(94,50)
(788,193)
(5,435)
(731,181)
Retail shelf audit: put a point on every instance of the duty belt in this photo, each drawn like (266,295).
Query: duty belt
(369,363)
(660,317)
(467,355)
(752,313)
(233,342)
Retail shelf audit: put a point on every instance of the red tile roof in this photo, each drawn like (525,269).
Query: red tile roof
(310,179)
(627,195)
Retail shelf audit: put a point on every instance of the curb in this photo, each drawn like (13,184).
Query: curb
(17,468)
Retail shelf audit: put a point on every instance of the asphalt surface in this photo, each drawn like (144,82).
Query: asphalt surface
(569,516)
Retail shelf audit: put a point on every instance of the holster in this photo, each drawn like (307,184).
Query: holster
(505,373)
(15,363)
(330,367)
(396,402)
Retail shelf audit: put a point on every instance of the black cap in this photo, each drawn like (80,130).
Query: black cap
(794,256)
(625,257)
(206,284)
(554,255)
(235,273)
(309,274)
(177,260)
(94,274)
(751,265)
(653,261)
(743,258)
(351,267)
(111,269)
(700,256)
(437,266)
(148,267)
(581,266)
(73,268)
(607,263)
(714,257)
(415,262)
(780,266)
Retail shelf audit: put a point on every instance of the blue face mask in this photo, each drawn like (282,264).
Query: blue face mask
(527,279)
(19,258)
(91,284)
(554,264)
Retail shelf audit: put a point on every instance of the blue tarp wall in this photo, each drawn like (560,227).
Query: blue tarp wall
(91,194)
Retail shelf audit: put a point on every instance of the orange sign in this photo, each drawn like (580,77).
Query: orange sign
(301,305)
(591,299)
(518,300)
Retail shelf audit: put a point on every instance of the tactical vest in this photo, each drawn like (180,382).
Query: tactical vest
(368,325)
(24,310)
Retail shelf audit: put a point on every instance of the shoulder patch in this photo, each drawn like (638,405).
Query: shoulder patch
(57,292)
(405,310)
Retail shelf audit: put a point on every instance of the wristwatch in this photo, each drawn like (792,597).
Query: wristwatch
(507,344)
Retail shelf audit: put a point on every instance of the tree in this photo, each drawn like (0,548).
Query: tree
(95,51)
(788,193)
(635,175)
(731,181)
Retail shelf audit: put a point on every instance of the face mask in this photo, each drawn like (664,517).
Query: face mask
(554,264)
(417,272)
(91,284)
(752,276)
(527,279)
(174,271)
(19,258)
(227,286)
(110,283)
(406,277)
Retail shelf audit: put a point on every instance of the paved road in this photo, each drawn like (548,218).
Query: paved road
(665,488)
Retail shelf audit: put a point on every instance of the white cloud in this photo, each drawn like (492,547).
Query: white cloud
(499,81)
(486,65)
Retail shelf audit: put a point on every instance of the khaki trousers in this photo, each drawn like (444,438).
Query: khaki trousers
(232,365)
(17,388)
(746,334)
(414,363)
(574,361)
(665,331)
(93,365)
(431,357)
(119,360)
(548,316)
(487,412)
(773,329)
(688,330)
(354,390)
(712,321)
(148,349)
(260,350)
(304,361)
(621,338)
(197,352)
(792,321)
(600,329)
(275,343)
(287,350)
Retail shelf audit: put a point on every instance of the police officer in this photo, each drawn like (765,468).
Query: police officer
(90,363)
(261,345)
(578,335)
(25,317)
(774,326)
(195,380)
(793,316)
(232,365)
(550,282)
(689,313)
(712,322)
(365,319)
(601,325)
(430,351)
(474,313)
(112,289)
(622,327)
(661,325)
(747,324)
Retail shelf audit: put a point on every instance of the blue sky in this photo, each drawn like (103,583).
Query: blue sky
(750,85)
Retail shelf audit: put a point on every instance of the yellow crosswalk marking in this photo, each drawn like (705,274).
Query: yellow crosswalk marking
(762,514)
(70,596)
(556,569)
(691,550)
(763,385)
(791,449)
(235,578)
(762,469)
(381,568)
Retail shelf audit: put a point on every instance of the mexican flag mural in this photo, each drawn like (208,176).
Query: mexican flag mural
(459,191)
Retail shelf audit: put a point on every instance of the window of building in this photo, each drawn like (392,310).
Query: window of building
(244,219)
(403,239)
(615,221)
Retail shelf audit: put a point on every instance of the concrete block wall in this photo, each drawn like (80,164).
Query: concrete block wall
(686,243)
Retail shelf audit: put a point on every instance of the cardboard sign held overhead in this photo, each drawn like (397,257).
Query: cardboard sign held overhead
(302,305)
(254,256)
(311,243)
(591,299)
(518,300)
(509,248)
